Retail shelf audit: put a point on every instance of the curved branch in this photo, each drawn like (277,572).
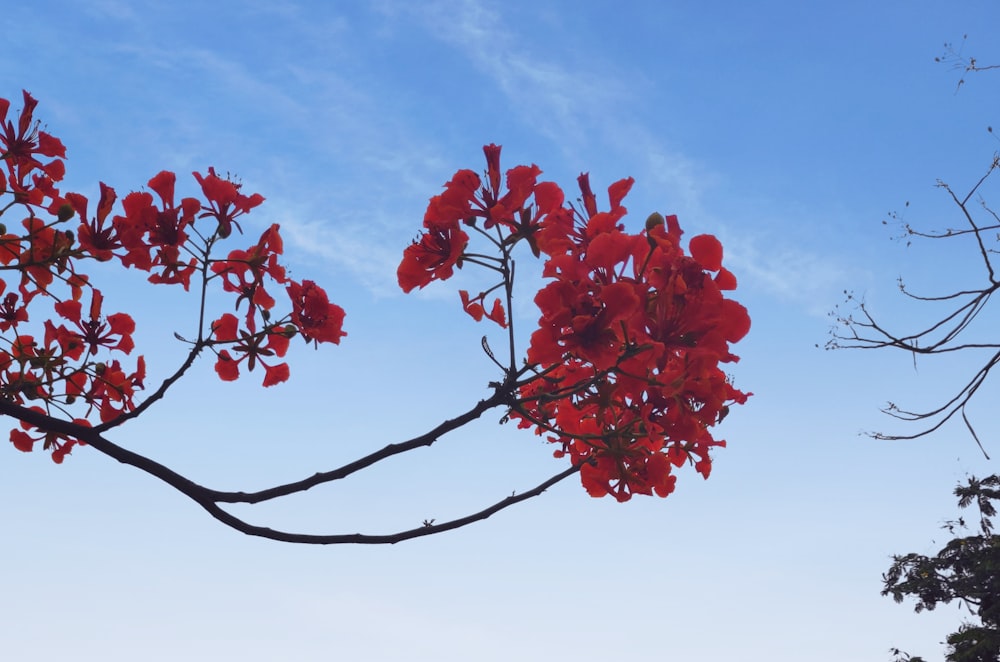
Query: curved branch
(210,499)
(158,393)
(426,439)
(943,336)
(94,438)
(428,528)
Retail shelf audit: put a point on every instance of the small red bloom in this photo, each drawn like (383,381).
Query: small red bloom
(225,202)
(11,312)
(59,444)
(253,347)
(113,332)
(21,145)
(432,258)
(95,237)
(316,318)
(475,308)
(244,271)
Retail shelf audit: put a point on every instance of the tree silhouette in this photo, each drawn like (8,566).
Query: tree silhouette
(966,569)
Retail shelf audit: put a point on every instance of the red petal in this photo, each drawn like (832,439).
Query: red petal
(707,250)
(725,279)
(275,374)
(226,367)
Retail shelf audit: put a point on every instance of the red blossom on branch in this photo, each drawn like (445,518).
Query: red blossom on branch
(250,346)
(623,370)
(225,202)
(623,373)
(153,231)
(20,146)
(313,315)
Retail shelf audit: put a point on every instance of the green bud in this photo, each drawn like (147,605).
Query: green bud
(654,219)
(65,212)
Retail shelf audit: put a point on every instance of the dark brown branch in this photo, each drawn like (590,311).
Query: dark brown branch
(388,451)
(210,499)
(368,539)
(93,437)
(158,393)
(944,336)
(955,405)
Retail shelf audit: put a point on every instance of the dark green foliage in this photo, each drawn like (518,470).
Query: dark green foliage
(967,569)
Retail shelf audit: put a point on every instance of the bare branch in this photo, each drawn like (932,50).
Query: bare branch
(428,528)
(210,499)
(946,335)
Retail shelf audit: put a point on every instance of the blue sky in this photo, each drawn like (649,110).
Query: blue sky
(788,129)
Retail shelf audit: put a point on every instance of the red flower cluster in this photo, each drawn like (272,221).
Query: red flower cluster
(312,315)
(628,349)
(158,235)
(623,371)
(20,149)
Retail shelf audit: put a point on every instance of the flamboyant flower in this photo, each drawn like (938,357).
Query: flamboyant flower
(628,346)
(114,332)
(20,146)
(225,202)
(432,258)
(476,308)
(11,312)
(243,272)
(112,390)
(313,315)
(253,347)
(59,444)
(95,237)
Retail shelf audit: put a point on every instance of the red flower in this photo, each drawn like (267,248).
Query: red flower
(254,348)
(313,315)
(627,355)
(59,444)
(46,251)
(11,313)
(113,391)
(225,202)
(432,258)
(475,308)
(21,145)
(244,271)
(113,332)
(94,237)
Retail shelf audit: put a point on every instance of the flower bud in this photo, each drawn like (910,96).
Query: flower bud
(654,220)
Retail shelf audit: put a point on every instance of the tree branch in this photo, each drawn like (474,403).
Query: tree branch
(946,335)
(210,499)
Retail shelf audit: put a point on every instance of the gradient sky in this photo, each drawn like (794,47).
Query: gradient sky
(788,129)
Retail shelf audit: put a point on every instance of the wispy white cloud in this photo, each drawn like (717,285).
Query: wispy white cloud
(349,247)
(372,167)
(809,279)
(562,100)
(576,103)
